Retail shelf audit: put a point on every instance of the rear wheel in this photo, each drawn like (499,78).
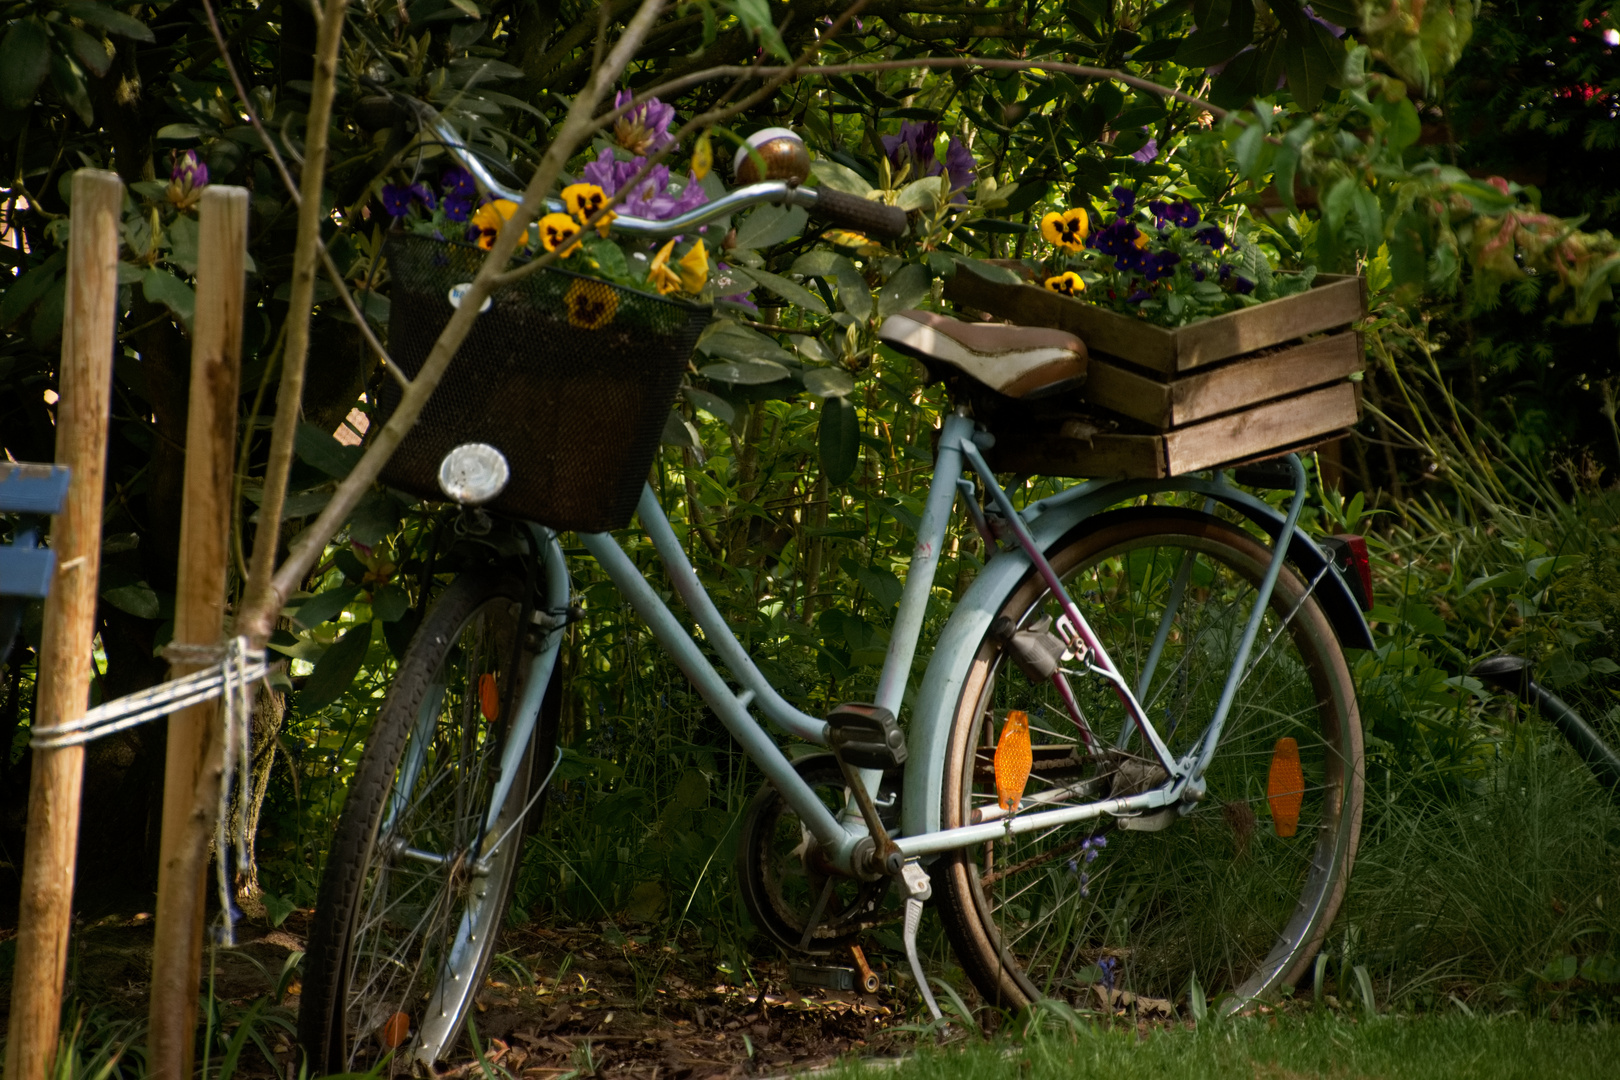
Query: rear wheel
(1240,891)
(418,876)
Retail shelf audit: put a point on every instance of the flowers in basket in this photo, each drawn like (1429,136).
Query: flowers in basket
(1161,262)
(678,267)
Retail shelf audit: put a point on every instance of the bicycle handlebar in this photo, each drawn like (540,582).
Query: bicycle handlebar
(835,207)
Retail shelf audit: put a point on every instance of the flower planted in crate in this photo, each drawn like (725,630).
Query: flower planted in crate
(1161,262)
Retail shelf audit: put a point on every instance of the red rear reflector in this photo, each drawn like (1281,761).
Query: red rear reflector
(395,1030)
(1013,759)
(489,697)
(1356,560)
(1285,787)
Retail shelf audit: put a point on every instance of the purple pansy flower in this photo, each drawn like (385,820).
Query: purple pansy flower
(1138,296)
(1212,236)
(1126,199)
(457,207)
(1242,285)
(397,198)
(1160,265)
(459,183)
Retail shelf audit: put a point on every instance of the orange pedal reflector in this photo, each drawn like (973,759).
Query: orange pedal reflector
(395,1030)
(1285,787)
(489,697)
(1013,759)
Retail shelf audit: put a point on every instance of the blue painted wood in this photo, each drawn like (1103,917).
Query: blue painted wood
(32,489)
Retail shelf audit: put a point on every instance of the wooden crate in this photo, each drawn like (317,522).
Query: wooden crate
(1247,384)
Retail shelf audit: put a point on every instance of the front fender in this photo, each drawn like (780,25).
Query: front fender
(1049,520)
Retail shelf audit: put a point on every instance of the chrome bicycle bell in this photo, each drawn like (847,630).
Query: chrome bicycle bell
(473,473)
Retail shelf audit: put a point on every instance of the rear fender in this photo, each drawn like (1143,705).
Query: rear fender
(1049,521)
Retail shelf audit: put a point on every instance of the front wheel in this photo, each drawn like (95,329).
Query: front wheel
(418,875)
(1239,892)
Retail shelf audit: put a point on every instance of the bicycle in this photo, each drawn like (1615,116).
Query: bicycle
(1151,730)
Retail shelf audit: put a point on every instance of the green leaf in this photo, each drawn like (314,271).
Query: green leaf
(68,80)
(853,293)
(713,404)
(138,600)
(114,22)
(335,670)
(905,290)
(791,291)
(920,193)
(829,382)
(25,60)
(21,293)
(770,225)
(756,16)
(1336,207)
(277,908)
(839,438)
(91,54)
(1213,45)
(326,606)
(183,243)
(882,584)
(1246,150)
(727,340)
(468,8)
(748,371)
(390,603)
(318,448)
(1404,125)
(840,178)
(162,287)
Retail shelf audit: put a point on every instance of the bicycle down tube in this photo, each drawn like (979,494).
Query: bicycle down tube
(957,453)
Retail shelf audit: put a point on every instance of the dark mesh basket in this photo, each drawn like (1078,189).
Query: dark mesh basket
(570,377)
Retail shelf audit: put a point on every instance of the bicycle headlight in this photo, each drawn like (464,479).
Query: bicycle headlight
(473,473)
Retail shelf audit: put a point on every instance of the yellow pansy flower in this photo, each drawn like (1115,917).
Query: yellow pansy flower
(489,218)
(1067,230)
(591,305)
(583,200)
(559,231)
(1069,284)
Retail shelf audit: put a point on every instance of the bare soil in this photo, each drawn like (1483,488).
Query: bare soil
(558,1000)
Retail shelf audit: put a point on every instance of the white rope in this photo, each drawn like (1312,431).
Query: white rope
(237,668)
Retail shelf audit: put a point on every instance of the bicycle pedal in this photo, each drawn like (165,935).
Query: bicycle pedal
(821,977)
(866,736)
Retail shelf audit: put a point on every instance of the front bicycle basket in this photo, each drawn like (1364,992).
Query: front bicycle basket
(571,378)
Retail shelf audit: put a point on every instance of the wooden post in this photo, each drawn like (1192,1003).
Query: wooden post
(199,619)
(84,386)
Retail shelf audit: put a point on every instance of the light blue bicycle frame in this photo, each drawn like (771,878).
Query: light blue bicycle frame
(1035,528)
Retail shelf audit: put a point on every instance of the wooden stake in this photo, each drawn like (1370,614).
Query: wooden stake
(199,619)
(89,325)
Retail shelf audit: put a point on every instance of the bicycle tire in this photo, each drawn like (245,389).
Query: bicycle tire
(1084,911)
(368,962)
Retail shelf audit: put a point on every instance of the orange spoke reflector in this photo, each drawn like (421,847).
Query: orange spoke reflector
(1285,787)
(489,697)
(395,1030)
(1013,759)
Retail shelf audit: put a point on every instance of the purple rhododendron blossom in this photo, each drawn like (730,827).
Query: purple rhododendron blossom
(914,146)
(1149,151)
(651,198)
(189,171)
(645,128)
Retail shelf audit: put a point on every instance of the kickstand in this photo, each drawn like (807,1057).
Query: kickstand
(918,889)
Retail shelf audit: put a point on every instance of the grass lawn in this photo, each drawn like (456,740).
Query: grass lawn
(1279,1048)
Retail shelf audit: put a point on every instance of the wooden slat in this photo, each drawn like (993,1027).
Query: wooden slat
(1254,431)
(1238,385)
(1334,300)
(1247,382)
(1104,455)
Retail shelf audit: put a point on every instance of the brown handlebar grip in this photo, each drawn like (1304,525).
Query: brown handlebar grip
(858,214)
